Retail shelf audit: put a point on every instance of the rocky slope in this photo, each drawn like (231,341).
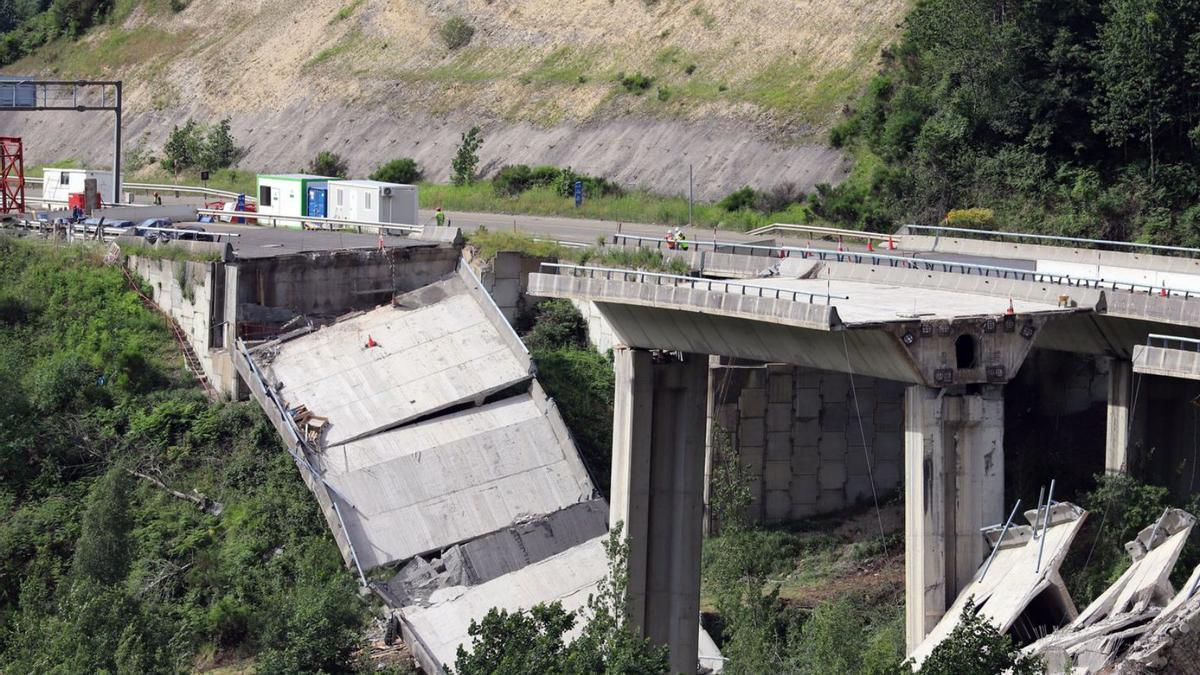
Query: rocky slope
(742,90)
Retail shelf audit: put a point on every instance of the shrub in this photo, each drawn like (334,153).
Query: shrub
(557,325)
(456,33)
(779,197)
(976,647)
(691,68)
(403,170)
(512,180)
(975,219)
(328,164)
(636,83)
(739,199)
(664,93)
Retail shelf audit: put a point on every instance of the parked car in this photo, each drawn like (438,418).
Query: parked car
(193,233)
(147,230)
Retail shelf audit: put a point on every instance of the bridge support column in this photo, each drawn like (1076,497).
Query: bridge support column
(954,485)
(657,491)
(1116,447)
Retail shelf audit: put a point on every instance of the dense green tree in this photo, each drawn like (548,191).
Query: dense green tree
(219,149)
(102,552)
(184,147)
(1070,117)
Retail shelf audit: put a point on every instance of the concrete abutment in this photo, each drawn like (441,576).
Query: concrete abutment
(657,492)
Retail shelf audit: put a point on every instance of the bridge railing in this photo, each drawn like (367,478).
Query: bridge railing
(910,262)
(818,231)
(259,218)
(298,451)
(714,285)
(1079,242)
(1173,342)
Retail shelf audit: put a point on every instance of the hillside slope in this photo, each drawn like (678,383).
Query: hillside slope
(743,90)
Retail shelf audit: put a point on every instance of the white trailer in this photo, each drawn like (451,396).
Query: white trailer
(286,194)
(60,184)
(373,201)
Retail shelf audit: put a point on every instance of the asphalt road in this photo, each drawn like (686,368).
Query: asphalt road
(264,242)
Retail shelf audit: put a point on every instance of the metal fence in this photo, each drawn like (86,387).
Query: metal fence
(1054,239)
(1173,342)
(389,228)
(663,279)
(906,262)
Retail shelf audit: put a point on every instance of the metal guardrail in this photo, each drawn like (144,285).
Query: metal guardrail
(928,264)
(271,218)
(150,187)
(661,279)
(818,230)
(85,229)
(1055,238)
(1170,342)
(297,453)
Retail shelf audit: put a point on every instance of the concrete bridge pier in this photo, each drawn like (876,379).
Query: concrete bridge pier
(1120,394)
(657,491)
(954,485)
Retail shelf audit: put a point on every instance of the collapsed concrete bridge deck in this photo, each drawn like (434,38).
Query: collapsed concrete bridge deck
(422,432)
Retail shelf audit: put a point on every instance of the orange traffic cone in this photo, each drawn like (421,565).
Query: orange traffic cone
(371,342)
(380,241)
(1010,311)
(870,247)
(840,249)
(891,244)
(1164,292)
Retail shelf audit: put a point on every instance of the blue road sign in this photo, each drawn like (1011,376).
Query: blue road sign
(578,193)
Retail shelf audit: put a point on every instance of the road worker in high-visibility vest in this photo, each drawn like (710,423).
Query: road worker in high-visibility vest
(440,217)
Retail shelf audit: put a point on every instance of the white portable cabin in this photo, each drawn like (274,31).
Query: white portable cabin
(59,184)
(373,201)
(286,194)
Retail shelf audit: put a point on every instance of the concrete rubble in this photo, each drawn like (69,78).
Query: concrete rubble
(435,454)
(1140,624)
(1096,640)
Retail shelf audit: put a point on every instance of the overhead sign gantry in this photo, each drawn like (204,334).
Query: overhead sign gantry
(29,94)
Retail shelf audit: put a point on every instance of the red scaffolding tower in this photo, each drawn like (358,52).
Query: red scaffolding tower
(12,182)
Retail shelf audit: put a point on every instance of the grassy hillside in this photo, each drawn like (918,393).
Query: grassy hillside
(787,66)
(102,570)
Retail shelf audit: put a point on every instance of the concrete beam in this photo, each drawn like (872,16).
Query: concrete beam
(954,485)
(657,491)
(1166,362)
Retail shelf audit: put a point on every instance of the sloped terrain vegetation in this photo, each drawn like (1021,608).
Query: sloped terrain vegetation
(630,89)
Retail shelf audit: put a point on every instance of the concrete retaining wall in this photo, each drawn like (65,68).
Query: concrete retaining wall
(796,432)
(192,293)
(333,283)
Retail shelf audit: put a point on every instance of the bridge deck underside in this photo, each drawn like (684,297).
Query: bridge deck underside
(866,352)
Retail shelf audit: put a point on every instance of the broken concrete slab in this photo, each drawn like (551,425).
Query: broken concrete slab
(1023,570)
(434,349)
(430,485)
(435,632)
